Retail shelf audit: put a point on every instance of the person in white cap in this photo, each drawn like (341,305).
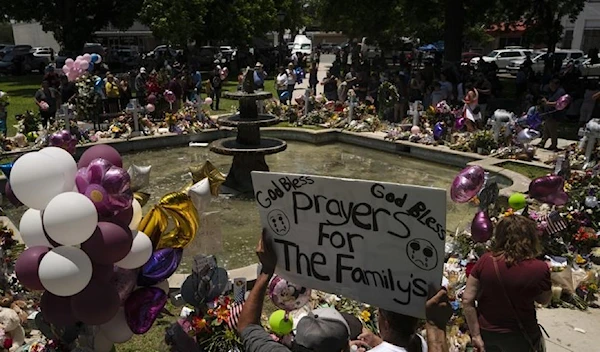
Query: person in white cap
(326,330)
(140,85)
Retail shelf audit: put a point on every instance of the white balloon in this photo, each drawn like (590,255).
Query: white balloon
(70,218)
(117,330)
(200,195)
(141,251)
(163,285)
(36,178)
(32,230)
(101,342)
(65,271)
(66,163)
(137,215)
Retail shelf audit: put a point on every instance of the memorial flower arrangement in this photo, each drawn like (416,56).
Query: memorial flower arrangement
(28,123)
(388,96)
(87,98)
(213,328)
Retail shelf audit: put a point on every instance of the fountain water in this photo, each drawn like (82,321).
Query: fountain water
(248,148)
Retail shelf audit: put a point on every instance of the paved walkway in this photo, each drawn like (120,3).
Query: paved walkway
(326,61)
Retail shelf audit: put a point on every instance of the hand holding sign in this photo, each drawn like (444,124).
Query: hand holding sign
(266,254)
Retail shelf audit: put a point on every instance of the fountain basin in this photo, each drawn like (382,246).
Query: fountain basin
(230,146)
(262,120)
(238,95)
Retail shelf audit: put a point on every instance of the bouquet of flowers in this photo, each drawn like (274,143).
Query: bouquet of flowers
(213,327)
(86,99)
(28,122)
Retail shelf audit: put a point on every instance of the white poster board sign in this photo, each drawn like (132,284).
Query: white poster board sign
(375,242)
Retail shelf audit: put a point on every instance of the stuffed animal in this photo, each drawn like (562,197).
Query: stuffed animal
(20,307)
(14,334)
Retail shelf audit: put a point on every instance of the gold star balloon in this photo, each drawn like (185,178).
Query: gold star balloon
(208,170)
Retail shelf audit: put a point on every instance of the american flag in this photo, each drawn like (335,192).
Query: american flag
(235,309)
(555,222)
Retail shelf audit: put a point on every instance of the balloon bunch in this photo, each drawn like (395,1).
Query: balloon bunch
(63,139)
(288,297)
(468,184)
(73,69)
(84,248)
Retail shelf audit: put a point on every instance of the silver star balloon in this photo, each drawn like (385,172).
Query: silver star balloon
(140,176)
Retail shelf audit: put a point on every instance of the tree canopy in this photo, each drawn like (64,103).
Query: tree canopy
(72,21)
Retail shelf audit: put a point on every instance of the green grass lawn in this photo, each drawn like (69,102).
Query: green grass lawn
(529,171)
(20,90)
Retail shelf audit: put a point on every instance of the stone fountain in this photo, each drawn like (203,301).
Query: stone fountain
(247,148)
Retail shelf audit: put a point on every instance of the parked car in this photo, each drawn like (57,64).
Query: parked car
(9,63)
(207,56)
(42,52)
(503,57)
(228,52)
(466,57)
(162,50)
(94,48)
(538,61)
(124,57)
(589,70)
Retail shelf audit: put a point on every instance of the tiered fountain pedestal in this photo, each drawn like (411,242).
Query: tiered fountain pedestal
(247,148)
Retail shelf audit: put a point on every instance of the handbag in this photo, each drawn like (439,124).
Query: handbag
(535,347)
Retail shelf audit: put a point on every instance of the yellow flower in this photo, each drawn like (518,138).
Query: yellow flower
(365,316)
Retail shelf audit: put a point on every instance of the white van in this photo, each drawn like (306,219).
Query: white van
(302,44)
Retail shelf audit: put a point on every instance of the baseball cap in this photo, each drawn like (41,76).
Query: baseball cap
(323,330)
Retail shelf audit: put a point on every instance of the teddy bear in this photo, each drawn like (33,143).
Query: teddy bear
(10,324)
(21,308)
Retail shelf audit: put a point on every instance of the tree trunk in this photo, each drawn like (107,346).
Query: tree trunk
(453,30)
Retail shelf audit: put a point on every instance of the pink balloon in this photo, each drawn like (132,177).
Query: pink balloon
(87,58)
(72,75)
(150,107)
(549,189)
(69,62)
(102,151)
(57,310)
(97,304)
(66,69)
(84,65)
(27,267)
(79,58)
(151,99)
(77,65)
(208,101)
(481,227)
(108,244)
(467,184)
(563,102)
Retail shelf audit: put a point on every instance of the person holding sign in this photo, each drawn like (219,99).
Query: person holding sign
(506,282)
(326,330)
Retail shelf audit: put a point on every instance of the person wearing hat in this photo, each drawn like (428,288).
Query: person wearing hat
(327,330)
(140,85)
(322,330)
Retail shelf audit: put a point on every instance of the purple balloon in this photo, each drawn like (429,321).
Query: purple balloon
(481,227)
(63,139)
(161,265)
(549,189)
(123,217)
(101,151)
(109,243)
(11,196)
(57,310)
(106,185)
(97,304)
(101,272)
(27,267)
(459,123)
(438,131)
(124,281)
(467,184)
(142,308)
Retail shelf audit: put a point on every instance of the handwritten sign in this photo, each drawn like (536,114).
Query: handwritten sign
(375,242)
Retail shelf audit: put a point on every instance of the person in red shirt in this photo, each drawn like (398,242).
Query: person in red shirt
(505,283)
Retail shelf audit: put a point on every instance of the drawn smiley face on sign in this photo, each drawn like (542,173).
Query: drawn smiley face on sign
(422,253)
(279,222)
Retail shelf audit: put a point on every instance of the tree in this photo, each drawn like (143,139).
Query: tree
(175,22)
(73,21)
(543,16)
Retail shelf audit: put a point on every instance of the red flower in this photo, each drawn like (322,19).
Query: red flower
(7,343)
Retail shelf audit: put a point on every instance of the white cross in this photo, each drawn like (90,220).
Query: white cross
(66,114)
(134,108)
